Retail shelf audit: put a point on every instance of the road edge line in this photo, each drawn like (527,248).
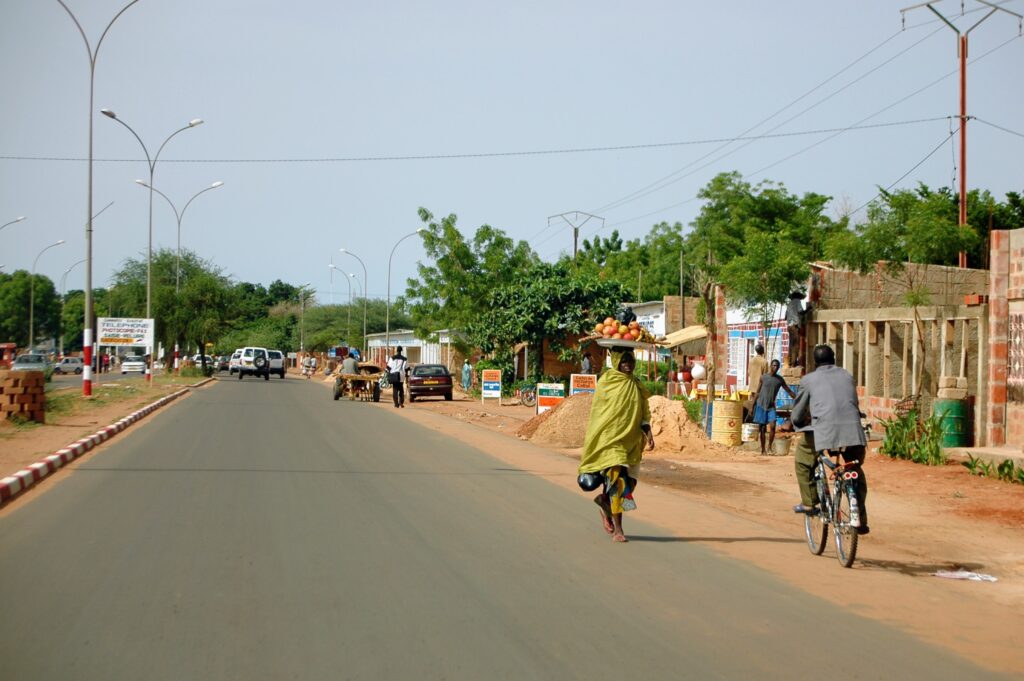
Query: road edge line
(18,483)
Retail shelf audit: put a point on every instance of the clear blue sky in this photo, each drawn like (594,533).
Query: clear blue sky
(292,82)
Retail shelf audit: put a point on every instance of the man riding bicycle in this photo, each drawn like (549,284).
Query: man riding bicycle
(827,411)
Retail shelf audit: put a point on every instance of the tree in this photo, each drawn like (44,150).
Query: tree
(906,227)
(15,299)
(448,293)
(548,302)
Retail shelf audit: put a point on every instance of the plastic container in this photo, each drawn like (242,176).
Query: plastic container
(749,432)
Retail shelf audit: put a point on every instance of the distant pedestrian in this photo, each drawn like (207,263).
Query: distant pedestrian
(467,376)
(587,366)
(397,366)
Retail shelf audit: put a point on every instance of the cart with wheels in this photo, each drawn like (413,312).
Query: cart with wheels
(365,385)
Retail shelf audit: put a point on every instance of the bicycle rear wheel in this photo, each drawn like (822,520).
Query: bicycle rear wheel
(528,398)
(845,533)
(815,526)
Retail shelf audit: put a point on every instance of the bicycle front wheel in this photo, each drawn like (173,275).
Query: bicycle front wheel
(845,533)
(528,398)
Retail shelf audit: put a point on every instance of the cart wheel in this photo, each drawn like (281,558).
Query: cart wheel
(376,392)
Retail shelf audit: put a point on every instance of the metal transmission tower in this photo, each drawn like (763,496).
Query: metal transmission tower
(575,223)
(962,53)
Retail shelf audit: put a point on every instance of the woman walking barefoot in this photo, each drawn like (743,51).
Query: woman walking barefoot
(618,429)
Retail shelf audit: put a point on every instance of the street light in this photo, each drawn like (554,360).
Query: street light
(12,221)
(32,297)
(387,309)
(63,302)
(151,162)
(87,326)
(302,317)
(365,289)
(348,324)
(179,217)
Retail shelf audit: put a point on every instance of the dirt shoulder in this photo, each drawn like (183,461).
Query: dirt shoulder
(923,520)
(71,416)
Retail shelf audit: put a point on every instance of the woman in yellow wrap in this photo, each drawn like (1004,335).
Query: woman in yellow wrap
(619,426)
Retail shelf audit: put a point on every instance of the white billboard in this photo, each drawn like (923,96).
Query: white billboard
(133,333)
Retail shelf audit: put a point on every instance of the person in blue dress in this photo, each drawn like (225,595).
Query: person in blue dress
(467,376)
(764,407)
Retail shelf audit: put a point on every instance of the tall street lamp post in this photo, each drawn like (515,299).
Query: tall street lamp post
(32,297)
(387,309)
(303,295)
(63,302)
(365,294)
(348,324)
(87,327)
(179,217)
(18,219)
(151,162)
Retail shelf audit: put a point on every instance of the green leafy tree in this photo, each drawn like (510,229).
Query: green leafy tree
(448,293)
(15,297)
(547,302)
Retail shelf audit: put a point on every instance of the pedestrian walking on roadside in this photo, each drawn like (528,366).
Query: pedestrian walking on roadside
(765,415)
(397,366)
(619,428)
(467,376)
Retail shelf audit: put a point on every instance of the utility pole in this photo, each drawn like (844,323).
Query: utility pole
(962,53)
(576,222)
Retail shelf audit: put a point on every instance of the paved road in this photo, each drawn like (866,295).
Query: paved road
(260,530)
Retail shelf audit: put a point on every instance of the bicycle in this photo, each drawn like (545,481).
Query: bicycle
(528,395)
(839,508)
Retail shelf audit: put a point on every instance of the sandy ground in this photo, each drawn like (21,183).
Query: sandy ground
(923,519)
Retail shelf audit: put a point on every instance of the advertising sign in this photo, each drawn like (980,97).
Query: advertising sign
(490,383)
(549,395)
(123,332)
(582,383)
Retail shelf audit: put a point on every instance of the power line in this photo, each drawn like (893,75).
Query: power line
(675,176)
(499,154)
(904,175)
(998,127)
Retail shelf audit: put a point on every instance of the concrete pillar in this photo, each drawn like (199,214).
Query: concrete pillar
(998,323)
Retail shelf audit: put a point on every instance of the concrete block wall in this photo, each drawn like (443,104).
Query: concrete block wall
(22,393)
(673,320)
(833,289)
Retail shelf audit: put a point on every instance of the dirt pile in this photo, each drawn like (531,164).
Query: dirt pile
(566,425)
(563,426)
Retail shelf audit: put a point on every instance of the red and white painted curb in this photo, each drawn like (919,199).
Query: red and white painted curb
(13,485)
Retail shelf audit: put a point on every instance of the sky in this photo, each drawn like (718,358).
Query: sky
(332,122)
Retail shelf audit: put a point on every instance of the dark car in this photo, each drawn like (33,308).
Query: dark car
(430,380)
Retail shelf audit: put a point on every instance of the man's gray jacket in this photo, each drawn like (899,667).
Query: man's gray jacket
(827,404)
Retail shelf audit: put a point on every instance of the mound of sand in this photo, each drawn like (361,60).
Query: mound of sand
(566,424)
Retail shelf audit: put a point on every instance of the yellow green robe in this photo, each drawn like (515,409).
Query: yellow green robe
(613,435)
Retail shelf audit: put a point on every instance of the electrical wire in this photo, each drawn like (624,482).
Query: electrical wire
(579,150)
(998,127)
(904,175)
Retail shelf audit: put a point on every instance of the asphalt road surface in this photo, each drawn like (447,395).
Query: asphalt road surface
(260,530)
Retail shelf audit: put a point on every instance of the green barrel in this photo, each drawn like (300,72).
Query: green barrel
(953,419)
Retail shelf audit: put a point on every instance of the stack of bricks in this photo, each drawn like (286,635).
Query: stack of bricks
(22,392)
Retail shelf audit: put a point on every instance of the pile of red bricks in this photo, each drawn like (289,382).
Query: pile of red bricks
(21,392)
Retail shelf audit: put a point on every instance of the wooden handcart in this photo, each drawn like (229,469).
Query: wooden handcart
(365,385)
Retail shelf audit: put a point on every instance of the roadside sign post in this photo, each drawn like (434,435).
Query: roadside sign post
(490,383)
(125,332)
(582,383)
(549,395)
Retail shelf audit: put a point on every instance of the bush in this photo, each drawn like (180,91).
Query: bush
(694,408)
(907,437)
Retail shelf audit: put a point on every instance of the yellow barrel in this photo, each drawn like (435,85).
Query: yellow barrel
(727,422)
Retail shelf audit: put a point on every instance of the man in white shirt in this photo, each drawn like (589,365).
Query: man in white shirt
(396,368)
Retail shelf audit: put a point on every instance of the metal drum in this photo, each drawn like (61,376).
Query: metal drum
(727,421)
(953,419)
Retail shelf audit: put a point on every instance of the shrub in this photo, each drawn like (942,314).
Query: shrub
(907,437)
